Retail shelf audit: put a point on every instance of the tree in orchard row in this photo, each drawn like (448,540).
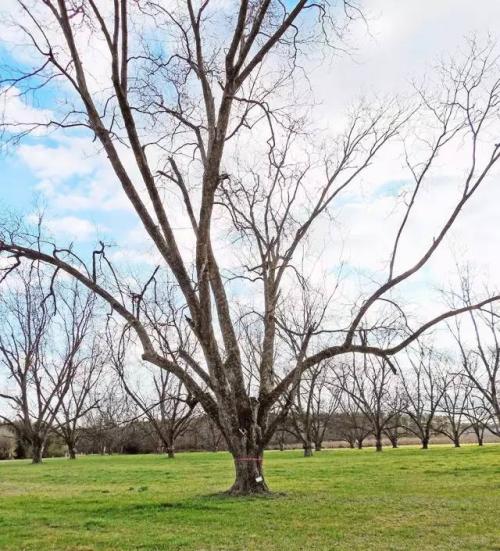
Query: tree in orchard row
(48,356)
(202,102)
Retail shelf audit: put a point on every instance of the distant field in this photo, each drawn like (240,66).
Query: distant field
(403,499)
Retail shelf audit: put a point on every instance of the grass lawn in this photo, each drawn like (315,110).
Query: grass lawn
(443,498)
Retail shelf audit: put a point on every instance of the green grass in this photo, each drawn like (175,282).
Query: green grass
(404,499)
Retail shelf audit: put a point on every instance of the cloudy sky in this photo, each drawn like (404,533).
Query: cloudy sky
(406,39)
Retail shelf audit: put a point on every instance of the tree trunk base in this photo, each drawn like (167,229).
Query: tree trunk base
(242,490)
(249,479)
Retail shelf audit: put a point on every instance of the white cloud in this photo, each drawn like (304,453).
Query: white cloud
(70,228)
(18,116)
(73,175)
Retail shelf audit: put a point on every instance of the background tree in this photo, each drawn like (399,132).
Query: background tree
(479,417)
(81,396)
(481,357)
(314,403)
(43,331)
(396,408)
(326,403)
(213,435)
(455,406)
(164,402)
(368,383)
(352,425)
(424,385)
(103,426)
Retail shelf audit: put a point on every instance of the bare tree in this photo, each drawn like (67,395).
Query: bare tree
(326,403)
(351,423)
(160,396)
(37,315)
(424,385)
(479,417)
(165,404)
(369,384)
(455,407)
(396,408)
(103,425)
(315,401)
(81,396)
(481,357)
(188,113)
(214,435)
(280,435)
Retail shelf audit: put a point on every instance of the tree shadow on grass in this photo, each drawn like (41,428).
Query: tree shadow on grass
(205,502)
(196,504)
(227,496)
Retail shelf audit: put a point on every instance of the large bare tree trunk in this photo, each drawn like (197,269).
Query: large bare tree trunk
(248,458)
(249,475)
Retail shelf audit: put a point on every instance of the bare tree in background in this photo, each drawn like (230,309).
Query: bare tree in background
(326,403)
(396,408)
(189,113)
(165,404)
(162,398)
(481,356)
(314,403)
(424,383)
(81,396)
(43,332)
(479,417)
(214,435)
(352,425)
(455,406)
(103,426)
(369,384)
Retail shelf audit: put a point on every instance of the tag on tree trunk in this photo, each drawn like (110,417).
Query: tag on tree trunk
(258,479)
